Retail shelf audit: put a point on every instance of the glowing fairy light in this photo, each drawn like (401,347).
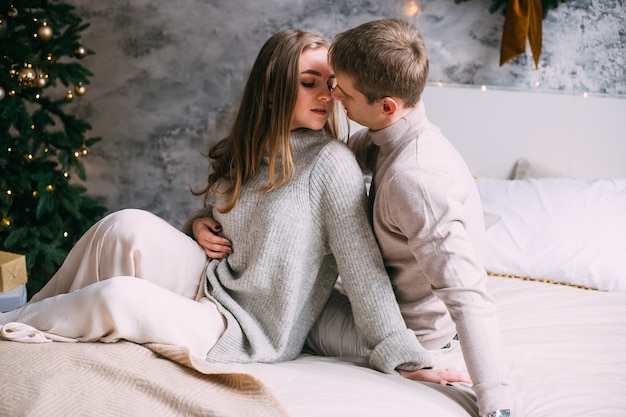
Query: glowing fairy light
(411,9)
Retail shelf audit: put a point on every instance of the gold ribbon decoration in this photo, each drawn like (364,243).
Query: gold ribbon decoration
(523,21)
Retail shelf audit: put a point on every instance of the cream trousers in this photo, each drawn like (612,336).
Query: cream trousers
(96,294)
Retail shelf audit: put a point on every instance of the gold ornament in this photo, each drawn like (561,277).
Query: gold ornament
(41,81)
(1,93)
(80,89)
(69,95)
(26,76)
(44,32)
(80,52)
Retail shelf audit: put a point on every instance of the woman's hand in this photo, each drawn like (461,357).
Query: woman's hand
(205,231)
(437,376)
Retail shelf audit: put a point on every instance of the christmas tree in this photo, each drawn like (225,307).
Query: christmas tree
(43,206)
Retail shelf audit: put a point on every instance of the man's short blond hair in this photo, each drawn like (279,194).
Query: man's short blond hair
(386,58)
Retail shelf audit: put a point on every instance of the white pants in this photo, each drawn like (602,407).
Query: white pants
(96,295)
(335,334)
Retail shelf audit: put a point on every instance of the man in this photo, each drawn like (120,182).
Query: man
(425,210)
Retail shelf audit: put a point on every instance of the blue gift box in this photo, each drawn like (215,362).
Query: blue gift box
(12,299)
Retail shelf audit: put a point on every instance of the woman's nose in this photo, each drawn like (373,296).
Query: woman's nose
(336,94)
(325,94)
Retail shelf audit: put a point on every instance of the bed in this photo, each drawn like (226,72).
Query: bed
(555,250)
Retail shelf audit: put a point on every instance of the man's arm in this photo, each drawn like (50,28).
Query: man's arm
(445,253)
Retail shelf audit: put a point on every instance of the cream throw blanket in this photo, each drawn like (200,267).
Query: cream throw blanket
(124,379)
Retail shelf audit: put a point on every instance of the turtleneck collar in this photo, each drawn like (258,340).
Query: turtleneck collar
(301,140)
(395,135)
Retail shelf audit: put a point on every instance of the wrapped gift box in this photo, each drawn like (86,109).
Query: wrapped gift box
(12,271)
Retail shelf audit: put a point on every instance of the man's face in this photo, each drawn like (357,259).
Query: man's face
(356,104)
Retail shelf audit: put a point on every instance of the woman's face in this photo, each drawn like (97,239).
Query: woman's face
(314,103)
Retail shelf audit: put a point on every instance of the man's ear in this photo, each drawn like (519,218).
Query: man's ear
(389,106)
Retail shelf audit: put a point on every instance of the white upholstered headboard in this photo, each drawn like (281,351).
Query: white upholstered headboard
(582,137)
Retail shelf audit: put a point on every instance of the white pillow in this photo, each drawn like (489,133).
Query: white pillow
(561,229)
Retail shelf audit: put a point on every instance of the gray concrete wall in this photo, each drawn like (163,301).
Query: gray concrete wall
(169,73)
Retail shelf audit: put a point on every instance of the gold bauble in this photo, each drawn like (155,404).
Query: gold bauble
(44,32)
(26,75)
(80,90)
(69,95)
(41,82)
(80,52)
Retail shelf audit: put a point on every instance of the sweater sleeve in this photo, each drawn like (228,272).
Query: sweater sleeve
(433,218)
(337,184)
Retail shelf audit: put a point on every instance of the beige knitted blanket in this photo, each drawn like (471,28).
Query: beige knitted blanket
(123,379)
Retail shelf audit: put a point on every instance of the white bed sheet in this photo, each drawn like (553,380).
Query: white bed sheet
(566,346)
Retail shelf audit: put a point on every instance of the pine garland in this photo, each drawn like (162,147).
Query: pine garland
(43,210)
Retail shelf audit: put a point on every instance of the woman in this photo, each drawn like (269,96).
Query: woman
(291,199)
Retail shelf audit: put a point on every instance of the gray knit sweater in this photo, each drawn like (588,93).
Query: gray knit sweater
(289,245)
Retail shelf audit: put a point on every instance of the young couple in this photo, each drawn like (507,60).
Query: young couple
(288,201)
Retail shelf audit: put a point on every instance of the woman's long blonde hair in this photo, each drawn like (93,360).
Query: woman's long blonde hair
(263,120)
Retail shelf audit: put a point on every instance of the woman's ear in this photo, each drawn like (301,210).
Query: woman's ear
(390,106)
